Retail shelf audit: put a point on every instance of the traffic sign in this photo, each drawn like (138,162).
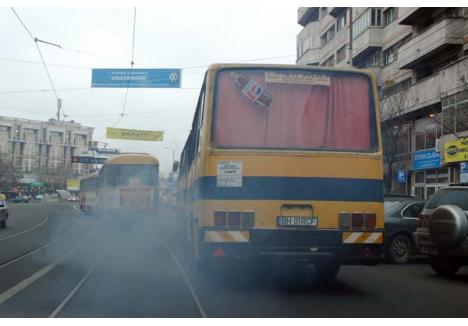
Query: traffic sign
(401,176)
(142,78)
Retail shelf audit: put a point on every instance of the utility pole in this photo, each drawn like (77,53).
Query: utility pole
(59,106)
(350,44)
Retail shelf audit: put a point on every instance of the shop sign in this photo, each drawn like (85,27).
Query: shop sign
(426,159)
(456,151)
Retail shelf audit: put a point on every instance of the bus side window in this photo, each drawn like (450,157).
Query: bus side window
(200,109)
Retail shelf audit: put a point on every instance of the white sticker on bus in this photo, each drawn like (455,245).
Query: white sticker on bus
(229,174)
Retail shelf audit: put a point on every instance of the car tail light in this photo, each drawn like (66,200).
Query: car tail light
(248,218)
(234,218)
(220,218)
(371,219)
(344,219)
(358,220)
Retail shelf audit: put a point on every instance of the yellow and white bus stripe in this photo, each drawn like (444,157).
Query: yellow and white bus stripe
(362,237)
(227,236)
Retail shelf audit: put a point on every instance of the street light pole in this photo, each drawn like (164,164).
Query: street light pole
(173,153)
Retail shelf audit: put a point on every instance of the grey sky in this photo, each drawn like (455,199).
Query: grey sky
(165,37)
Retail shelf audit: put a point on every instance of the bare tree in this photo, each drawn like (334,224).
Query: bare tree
(9,175)
(394,127)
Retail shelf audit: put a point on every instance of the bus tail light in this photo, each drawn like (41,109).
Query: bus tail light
(344,219)
(358,220)
(219,252)
(371,220)
(234,218)
(248,218)
(220,218)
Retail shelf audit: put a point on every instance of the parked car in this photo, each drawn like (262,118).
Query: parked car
(442,233)
(39,197)
(401,217)
(20,199)
(73,199)
(3,214)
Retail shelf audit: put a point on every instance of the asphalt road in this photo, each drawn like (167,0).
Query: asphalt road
(55,262)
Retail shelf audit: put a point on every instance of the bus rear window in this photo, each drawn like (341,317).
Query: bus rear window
(294,109)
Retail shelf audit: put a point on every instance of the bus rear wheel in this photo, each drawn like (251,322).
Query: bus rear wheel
(325,271)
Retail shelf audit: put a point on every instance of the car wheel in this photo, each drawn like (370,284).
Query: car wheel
(399,250)
(444,265)
(326,271)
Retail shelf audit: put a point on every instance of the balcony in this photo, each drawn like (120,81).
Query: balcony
(337,11)
(430,90)
(365,43)
(444,35)
(409,15)
(307,14)
(307,42)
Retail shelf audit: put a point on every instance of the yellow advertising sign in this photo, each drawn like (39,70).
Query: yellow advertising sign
(73,184)
(456,151)
(131,134)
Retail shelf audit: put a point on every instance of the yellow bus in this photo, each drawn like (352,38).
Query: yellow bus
(284,162)
(128,185)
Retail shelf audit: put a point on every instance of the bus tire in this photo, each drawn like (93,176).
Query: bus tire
(326,271)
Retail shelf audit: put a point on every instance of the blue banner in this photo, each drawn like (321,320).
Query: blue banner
(427,159)
(143,78)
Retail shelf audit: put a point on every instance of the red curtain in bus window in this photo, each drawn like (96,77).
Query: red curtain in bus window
(299,115)
(238,121)
(338,116)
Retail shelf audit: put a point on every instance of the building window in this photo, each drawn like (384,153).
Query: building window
(390,15)
(327,36)
(389,56)
(341,22)
(323,12)
(374,59)
(376,17)
(330,62)
(341,54)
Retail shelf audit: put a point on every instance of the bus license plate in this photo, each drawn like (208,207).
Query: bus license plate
(297,221)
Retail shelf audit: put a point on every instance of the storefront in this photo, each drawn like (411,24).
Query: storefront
(428,173)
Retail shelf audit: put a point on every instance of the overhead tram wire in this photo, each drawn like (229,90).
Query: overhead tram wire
(36,40)
(131,68)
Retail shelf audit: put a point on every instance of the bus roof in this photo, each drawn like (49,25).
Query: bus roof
(132,159)
(218,66)
(89,176)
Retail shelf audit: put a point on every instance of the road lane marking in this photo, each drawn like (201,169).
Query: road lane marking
(44,221)
(40,247)
(33,278)
(75,289)
(192,291)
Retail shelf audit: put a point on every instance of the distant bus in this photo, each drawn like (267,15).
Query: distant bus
(126,185)
(88,193)
(284,162)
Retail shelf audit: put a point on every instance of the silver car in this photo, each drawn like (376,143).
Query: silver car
(442,232)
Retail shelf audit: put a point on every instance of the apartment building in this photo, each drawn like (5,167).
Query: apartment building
(420,58)
(42,149)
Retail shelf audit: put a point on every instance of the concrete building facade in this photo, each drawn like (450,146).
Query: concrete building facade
(42,149)
(420,58)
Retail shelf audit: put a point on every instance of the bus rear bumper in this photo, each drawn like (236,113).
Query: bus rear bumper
(308,246)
